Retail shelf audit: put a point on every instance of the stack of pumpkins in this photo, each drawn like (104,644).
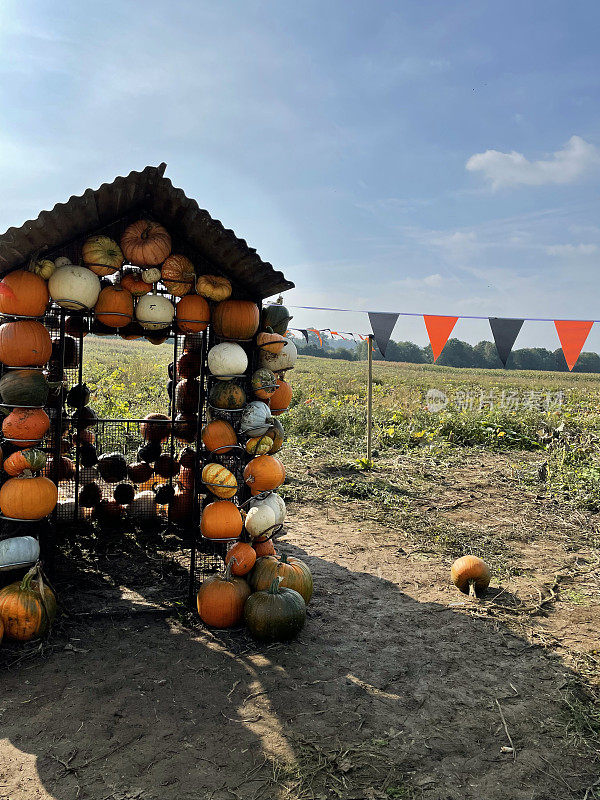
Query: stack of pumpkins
(25,349)
(248,392)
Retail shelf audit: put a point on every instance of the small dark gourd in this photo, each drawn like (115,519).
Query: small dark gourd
(187,458)
(187,393)
(70,360)
(189,365)
(156,427)
(164,494)
(108,512)
(170,386)
(77,326)
(124,494)
(140,472)
(63,470)
(84,417)
(112,467)
(100,329)
(131,331)
(185,427)
(275,615)
(55,372)
(149,452)
(78,396)
(159,336)
(56,396)
(90,495)
(166,466)
(88,455)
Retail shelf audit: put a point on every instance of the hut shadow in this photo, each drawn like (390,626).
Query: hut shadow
(379,694)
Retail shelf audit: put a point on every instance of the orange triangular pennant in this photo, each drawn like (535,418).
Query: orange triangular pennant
(317,333)
(572,334)
(438,330)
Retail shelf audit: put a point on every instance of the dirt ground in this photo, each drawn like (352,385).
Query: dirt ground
(398,687)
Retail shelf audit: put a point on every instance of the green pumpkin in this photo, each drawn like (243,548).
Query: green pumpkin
(24,387)
(275,615)
(227,395)
(276,317)
(264,383)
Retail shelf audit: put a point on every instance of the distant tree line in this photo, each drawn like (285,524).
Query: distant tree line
(455,354)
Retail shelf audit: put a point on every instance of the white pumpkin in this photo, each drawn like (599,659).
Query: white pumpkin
(256,419)
(275,502)
(151,275)
(226,360)
(278,362)
(154,311)
(72,286)
(18,550)
(62,261)
(143,505)
(259,519)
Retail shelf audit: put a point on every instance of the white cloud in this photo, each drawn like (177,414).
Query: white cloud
(572,249)
(573,162)
(433,280)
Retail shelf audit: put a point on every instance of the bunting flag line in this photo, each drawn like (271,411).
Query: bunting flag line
(382,325)
(572,334)
(438,330)
(505,332)
(317,334)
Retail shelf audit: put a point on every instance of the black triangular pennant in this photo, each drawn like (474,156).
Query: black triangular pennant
(382,325)
(505,332)
(304,333)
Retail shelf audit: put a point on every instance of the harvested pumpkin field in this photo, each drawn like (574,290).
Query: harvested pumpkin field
(398,686)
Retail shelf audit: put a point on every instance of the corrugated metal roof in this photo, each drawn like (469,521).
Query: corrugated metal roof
(142,191)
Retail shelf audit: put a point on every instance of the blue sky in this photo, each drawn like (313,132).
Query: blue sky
(440,157)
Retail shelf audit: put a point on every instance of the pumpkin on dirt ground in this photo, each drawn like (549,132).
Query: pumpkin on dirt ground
(242,557)
(470,574)
(277,614)
(266,548)
(221,600)
(295,573)
(221,520)
(23,294)
(145,243)
(27,607)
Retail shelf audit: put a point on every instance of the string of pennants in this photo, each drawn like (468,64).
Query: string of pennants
(572,334)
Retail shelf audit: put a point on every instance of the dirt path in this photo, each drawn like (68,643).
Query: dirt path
(398,687)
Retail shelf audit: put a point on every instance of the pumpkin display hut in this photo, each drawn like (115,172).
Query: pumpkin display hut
(137,258)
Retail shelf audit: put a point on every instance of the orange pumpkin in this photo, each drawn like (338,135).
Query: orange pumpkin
(132,281)
(24,294)
(295,573)
(221,600)
(181,507)
(213,287)
(263,548)
(192,314)
(281,399)
(114,307)
(189,365)
(271,342)
(242,557)
(470,574)
(221,520)
(26,426)
(236,319)
(28,498)
(24,343)
(146,243)
(178,275)
(77,326)
(217,434)
(264,473)
(27,607)
(21,460)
